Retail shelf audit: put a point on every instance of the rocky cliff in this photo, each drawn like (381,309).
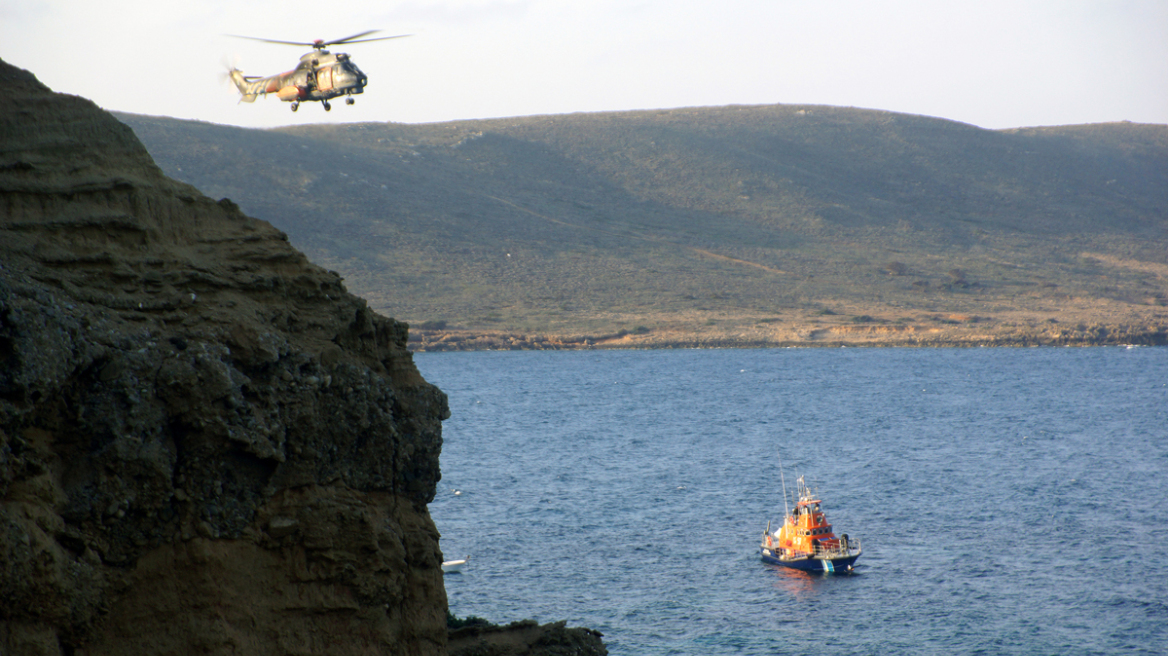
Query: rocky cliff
(206,444)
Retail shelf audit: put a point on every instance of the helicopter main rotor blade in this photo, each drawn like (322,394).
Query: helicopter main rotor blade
(350,38)
(287,43)
(380,38)
(356,38)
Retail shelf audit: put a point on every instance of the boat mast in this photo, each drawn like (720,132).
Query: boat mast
(786,509)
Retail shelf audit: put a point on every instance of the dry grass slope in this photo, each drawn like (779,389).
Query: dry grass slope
(767,225)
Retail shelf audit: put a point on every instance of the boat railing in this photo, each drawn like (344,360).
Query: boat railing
(849,548)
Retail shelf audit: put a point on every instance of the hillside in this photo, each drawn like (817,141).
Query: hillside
(763,225)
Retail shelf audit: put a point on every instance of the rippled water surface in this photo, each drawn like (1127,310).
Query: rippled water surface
(1009,500)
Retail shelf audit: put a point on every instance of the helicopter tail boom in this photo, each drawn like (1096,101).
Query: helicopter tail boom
(247,90)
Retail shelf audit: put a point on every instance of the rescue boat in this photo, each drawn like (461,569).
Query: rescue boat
(805,541)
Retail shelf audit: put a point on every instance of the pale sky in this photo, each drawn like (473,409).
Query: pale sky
(991,63)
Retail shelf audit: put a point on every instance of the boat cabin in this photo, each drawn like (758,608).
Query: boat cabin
(806,530)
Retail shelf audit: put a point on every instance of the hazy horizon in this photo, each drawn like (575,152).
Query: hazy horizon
(992,64)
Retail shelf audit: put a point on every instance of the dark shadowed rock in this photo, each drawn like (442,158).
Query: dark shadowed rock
(526,638)
(206,444)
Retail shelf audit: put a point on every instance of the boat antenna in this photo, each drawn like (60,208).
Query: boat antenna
(786,509)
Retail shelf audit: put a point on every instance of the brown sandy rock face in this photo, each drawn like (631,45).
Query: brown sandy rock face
(206,444)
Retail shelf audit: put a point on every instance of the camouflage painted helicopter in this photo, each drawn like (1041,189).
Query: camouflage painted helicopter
(321,75)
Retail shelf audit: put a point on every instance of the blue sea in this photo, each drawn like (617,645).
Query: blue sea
(1009,501)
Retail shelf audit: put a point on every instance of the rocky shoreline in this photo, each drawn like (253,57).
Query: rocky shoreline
(423,341)
(523,638)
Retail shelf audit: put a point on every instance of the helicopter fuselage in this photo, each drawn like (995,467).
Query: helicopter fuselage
(320,76)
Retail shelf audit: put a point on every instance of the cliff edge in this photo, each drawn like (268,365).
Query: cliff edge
(206,444)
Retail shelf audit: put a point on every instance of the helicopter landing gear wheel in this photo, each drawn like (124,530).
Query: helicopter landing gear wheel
(295,106)
(327,106)
(349,101)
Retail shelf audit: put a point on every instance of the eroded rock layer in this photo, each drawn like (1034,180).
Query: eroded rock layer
(206,444)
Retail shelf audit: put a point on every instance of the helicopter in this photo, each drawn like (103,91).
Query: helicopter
(320,75)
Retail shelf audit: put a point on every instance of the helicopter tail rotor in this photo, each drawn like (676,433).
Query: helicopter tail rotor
(229,64)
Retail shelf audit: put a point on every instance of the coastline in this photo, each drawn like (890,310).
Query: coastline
(425,341)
